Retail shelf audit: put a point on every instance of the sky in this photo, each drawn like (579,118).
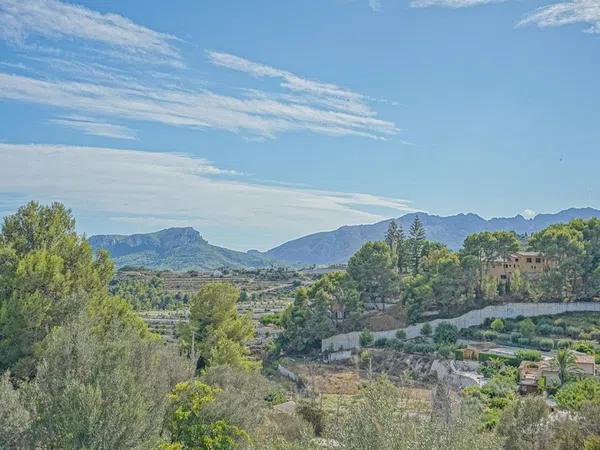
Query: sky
(259,122)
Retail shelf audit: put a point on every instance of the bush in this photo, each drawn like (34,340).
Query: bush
(366,338)
(528,355)
(401,334)
(504,338)
(380,342)
(489,335)
(523,341)
(514,337)
(572,332)
(423,347)
(445,333)
(574,394)
(446,351)
(563,343)
(527,327)
(584,347)
(558,331)
(497,325)
(426,329)
(395,344)
(545,329)
(546,344)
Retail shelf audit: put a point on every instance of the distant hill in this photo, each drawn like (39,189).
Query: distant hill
(178,249)
(334,247)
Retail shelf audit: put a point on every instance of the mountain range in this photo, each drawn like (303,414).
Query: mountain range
(184,249)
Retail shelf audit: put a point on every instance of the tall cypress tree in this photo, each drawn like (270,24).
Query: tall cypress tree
(401,256)
(391,236)
(417,236)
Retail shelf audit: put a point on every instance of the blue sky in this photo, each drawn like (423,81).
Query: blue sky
(257,122)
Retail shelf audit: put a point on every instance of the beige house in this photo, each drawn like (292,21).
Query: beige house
(524,263)
(530,372)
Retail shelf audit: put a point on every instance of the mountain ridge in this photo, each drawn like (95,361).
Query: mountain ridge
(337,246)
(178,249)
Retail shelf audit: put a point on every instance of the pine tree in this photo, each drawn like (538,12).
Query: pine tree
(416,243)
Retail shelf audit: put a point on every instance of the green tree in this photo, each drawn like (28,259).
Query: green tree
(522,424)
(101,386)
(366,338)
(445,333)
(392,236)
(188,428)
(577,394)
(373,270)
(416,244)
(527,327)
(220,332)
(15,419)
(45,266)
(482,247)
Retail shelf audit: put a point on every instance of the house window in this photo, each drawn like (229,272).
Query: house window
(503,277)
(529,260)
(538,260)
(516,259)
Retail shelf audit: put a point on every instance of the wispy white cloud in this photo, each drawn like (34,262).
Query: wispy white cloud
(375,5)
(450,3)
(566,13)
(132,185)
(95,128)
(200,108)
(326,93)
(67,77)
(21,20)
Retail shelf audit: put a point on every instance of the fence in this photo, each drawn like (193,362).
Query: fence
(349,341)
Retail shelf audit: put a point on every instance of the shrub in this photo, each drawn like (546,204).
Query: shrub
(497,325)
(489,335)
(563,343)
(366,338)
(426,329)
(545,329)
(523,341)
(558,331)
(504,338)
(395,344)
(528,355)
(423,347)
(572,332)
(546,344)
(446,351)
(380,342)
(445,333)
(401,334)
(527,327)
(514,337)
(584,347)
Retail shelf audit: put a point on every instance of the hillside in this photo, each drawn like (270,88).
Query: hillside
(178,249)
(338,246)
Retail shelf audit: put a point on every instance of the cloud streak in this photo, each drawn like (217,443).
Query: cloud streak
(566,13)
(22,20)
(131,186)
(95,128)
(450,3)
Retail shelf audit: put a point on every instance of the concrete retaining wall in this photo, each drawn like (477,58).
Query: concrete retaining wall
(472,318)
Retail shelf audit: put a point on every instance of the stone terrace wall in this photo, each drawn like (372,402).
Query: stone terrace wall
(472,318)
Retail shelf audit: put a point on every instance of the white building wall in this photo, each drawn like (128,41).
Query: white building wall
(472,318)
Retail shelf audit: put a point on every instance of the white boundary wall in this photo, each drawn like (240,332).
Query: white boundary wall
(472,318)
